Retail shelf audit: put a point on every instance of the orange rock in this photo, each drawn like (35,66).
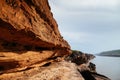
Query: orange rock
(29,22)
(29,35)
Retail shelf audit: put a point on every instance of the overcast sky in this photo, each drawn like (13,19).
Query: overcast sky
(90,26)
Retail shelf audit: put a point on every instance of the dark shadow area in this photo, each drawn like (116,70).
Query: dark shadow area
(47,64)
(7,65)
(87,75)
(96,74)
(6,46)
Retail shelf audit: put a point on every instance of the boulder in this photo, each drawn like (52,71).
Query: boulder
(79,57)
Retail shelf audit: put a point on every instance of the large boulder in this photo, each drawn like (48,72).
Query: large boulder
(29,35)
(79,57)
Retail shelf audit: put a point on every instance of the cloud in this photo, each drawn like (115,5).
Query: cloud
(76,37)
(86,5)
(88,25)
(89,3)
(105,18)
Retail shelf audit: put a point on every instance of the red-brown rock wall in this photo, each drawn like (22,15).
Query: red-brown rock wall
(29,35)
(29,22)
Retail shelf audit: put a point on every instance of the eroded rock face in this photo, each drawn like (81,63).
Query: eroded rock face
(57,71)
(29,22)
(29,35)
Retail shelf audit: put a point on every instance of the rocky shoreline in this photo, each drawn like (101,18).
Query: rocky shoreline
(32,48)
(76,66)
(86,68)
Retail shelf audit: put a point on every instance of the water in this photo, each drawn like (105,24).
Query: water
(108,66)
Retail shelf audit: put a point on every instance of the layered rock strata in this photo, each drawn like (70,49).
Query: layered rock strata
(59,70)
(29,35)
(31,46)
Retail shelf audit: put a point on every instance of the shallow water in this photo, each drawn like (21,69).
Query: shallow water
(108,66)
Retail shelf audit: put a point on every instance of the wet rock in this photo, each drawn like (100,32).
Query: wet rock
(79,57)
(84,66)
(92,67)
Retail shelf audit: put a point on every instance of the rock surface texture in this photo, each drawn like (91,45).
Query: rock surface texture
(31,47)
(29,35)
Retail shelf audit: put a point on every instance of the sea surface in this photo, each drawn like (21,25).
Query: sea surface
(108,66)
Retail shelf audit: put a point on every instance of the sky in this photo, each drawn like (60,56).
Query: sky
(91,26)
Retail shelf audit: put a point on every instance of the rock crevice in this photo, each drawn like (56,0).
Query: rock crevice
(31,47)
(29,35)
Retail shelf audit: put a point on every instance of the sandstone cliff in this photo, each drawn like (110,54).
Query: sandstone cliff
(29,35)
(67,69)
(31,47)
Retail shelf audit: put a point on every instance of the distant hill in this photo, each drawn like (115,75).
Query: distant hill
(114,53)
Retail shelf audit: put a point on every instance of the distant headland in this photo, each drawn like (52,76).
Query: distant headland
(112,53)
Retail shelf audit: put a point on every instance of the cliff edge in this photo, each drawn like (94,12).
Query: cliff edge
(31,47)
(29,35)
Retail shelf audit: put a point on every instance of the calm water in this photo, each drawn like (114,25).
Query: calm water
(109,66)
